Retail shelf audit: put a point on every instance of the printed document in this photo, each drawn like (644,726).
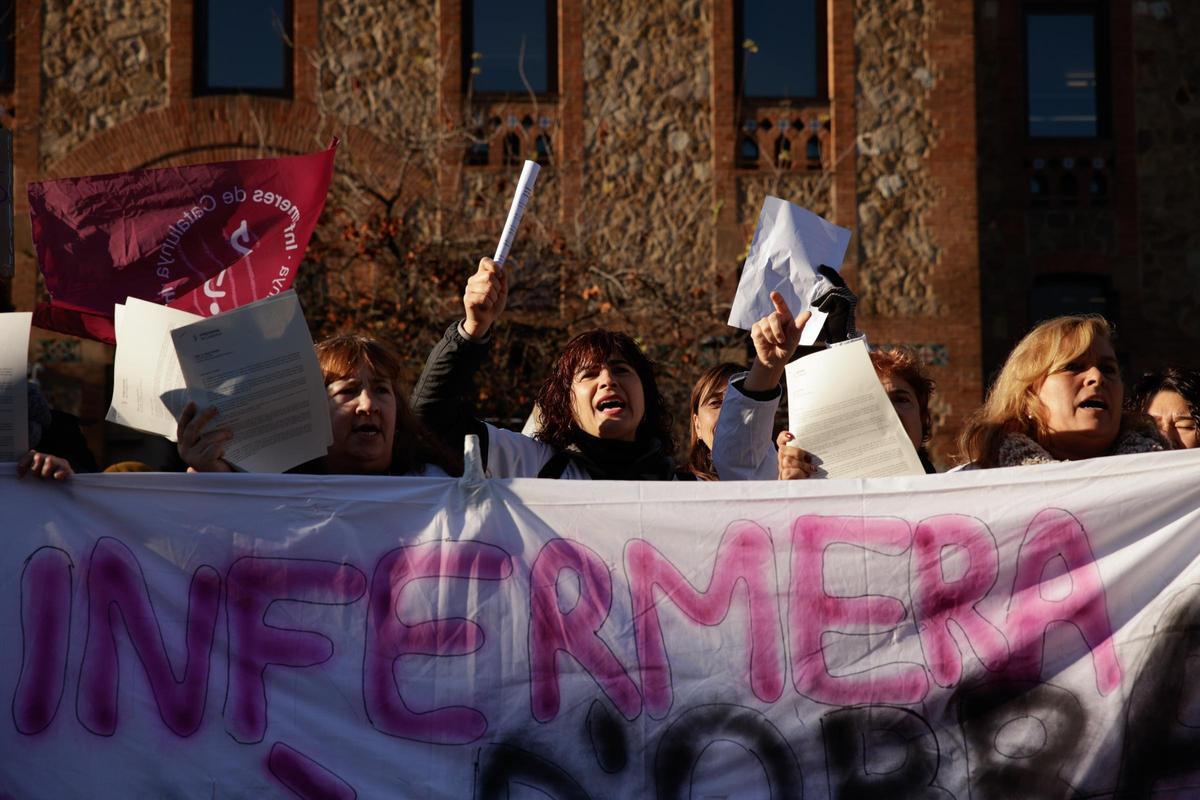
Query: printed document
(147,382)
(839,413)
(257,366)
(14,389)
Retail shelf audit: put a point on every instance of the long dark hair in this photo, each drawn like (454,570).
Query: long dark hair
(594,348)
(412,445)
(714,380)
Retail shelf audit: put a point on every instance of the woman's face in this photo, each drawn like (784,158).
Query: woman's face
(1175,419)
(607,400)
(362,411)
(1081,404)
(704,421)
(904,400)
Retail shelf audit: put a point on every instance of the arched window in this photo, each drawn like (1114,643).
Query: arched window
(243,47)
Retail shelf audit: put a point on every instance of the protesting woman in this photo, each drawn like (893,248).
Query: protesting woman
(602,414)
(374,431)
(1171,397)
(1059,397)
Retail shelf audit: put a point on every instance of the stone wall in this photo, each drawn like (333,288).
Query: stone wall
(103,62)
(1168,172)
(812,190)
(897,248)
(647,190)
(378,65)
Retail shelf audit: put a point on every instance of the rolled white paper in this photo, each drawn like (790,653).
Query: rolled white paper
(521,197)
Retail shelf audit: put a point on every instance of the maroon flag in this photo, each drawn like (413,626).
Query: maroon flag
(205,238)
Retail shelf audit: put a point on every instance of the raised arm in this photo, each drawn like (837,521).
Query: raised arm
(743,446)
(775,338)
(444,397)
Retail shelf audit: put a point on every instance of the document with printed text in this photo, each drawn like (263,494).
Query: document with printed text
(257,366)
(147,382)
(840,414)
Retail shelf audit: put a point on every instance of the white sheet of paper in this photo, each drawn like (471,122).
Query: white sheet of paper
(839,413)
(257,366)
(14,388)
(789,244)
(524,191)
(146,374)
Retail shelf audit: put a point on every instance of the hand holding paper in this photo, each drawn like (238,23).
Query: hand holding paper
(256,365)
(202,447)
(775,338)
(794,463)
(789,245)
(484,298)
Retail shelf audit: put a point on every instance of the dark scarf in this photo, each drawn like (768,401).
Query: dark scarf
(609,460)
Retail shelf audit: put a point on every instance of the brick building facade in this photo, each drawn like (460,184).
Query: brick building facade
(652,188)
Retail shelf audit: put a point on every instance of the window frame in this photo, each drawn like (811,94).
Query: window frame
(1101,44)
(468,47)
(821,25)
(200,86)
(8,30)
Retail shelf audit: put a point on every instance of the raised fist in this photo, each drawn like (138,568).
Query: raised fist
(484,298)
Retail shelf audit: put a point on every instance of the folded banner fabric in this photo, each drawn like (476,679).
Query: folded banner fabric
(203,238)
(1027,632)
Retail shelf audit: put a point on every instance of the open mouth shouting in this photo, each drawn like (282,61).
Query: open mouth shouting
(611,406)
(367,429)
(1095,402)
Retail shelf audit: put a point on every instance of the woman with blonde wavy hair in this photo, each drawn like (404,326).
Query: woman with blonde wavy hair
(1059,397)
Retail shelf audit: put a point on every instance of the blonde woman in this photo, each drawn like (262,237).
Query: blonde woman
(1059,397)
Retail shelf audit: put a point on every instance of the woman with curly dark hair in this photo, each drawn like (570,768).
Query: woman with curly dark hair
(1171,397)
(602,416)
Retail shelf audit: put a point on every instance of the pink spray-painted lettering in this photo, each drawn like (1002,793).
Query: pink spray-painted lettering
(746,556)
(389,638)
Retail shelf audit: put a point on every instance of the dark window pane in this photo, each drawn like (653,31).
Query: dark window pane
(779,52)
(7,44)
(245,45)
(503,37)
(1058,295)
(1061,75)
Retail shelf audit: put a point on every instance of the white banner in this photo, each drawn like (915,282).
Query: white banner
(1029,632)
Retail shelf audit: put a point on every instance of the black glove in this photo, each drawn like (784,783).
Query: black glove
(836,300)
